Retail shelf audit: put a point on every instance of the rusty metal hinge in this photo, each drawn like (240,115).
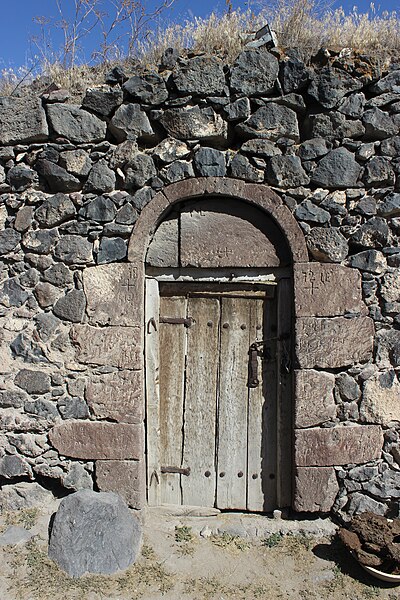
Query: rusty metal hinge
(177,321)
(179,470)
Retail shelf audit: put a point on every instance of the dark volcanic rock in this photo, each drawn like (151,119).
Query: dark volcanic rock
(337,169)
(378,172)
(242,168)
(33,382)
(149,88)
(71,307)
(314,148)
(372,234)
(103,99)
(74,249)
(101,178)
(271,122)
(327,245)
(330,85)
(209,162)
(193,122)
(58,275)
(12,294)
(378,124)
(131,122)
(9,239)
(21,177)
(201,75)
(293,75)
(55,210)
(286,171)
(75,124)
(254,72)
(391,206)
(371,261)
(41,241)
(140,169)
(94,532)
(176,171)
(22,120)
(111,250)
(57,178)
(101,209)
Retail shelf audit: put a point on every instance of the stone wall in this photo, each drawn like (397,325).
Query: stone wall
(74,180)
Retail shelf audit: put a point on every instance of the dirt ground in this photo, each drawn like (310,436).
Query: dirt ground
(197,558)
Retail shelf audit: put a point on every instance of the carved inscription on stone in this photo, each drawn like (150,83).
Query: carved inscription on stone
(337,445)
(93,441)
(117,396)
(114,294)
(124,477)
(112,346)
(324,290)
(314,402)
(224,234)
(333,343)
(315,489)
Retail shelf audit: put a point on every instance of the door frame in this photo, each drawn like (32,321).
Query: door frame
(281,278)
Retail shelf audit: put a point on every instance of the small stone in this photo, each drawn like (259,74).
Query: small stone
(390,207)
(371,261)
(361,503)
(76,162)
(111,250)
(73,408)
(14,535)
(101,209)
(102,99)
(22,120)
(33,382)
(21,177)
(127,215)
(390,286)
(353,105)
(176,171)
(130,122)
(169,58)
(24,495)
(374,233)
(55,210)
(242,169)
(12,398)
(238,110)
(194,123)
(308,211)
(46,294)
(71,307)
(116,75)
(286,171)
(170,149)
(9,239)
(293,75)
(201,75)
(378,124)
(12,465)
(140,169)
(101,178)
(12,294)
(254,72)
(347,387)
(94,532)
(58,275)
(387,84)
(378,172)
(315,148)
(40,242)
(149,88)
(75,124)
(209,162)
(57,178)
(23,219)
(42,408)
(73,249)
(262,148)
(337,169)
(390,146)
(77,478)
(381,399)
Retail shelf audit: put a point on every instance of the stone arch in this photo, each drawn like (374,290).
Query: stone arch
(258,195)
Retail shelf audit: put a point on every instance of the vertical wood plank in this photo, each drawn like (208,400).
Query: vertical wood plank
(284,395)
(232,407)
(172,374)
(198,489)
(152,391)
(261,480)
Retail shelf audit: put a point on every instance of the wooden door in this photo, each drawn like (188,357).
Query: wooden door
(215,443)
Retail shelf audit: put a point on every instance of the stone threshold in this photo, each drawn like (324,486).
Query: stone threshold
(208,521)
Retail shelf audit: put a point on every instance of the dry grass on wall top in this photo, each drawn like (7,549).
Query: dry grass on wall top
(301,24)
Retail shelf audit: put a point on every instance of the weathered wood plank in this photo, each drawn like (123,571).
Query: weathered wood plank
(172,373)
(152,391)
(261,431)
(233,399)
(200,402)
(284,394)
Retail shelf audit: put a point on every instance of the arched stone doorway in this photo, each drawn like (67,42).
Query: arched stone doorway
(218,351)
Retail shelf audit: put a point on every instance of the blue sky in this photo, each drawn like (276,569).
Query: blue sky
(17,27)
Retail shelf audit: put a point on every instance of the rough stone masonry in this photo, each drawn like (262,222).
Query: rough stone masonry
(74,180)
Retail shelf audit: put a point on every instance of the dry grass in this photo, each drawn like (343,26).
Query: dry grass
(301,24)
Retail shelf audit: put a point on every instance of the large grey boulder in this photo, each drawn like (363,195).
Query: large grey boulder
(94,532)
(330,85)
(191,123)
(327,244)
(130,122)
(337,169)
(149,88)
(55,210)
(271,122)
(201,75)
(75,124)
(254,72)
(22,120)
(102,99)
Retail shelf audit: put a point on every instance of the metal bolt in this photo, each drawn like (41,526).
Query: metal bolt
(207,473)
(254,476)
(222,474)
(243,326)
(272,475)
(210,323)
(225,325)
(259,327)
(240,474)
